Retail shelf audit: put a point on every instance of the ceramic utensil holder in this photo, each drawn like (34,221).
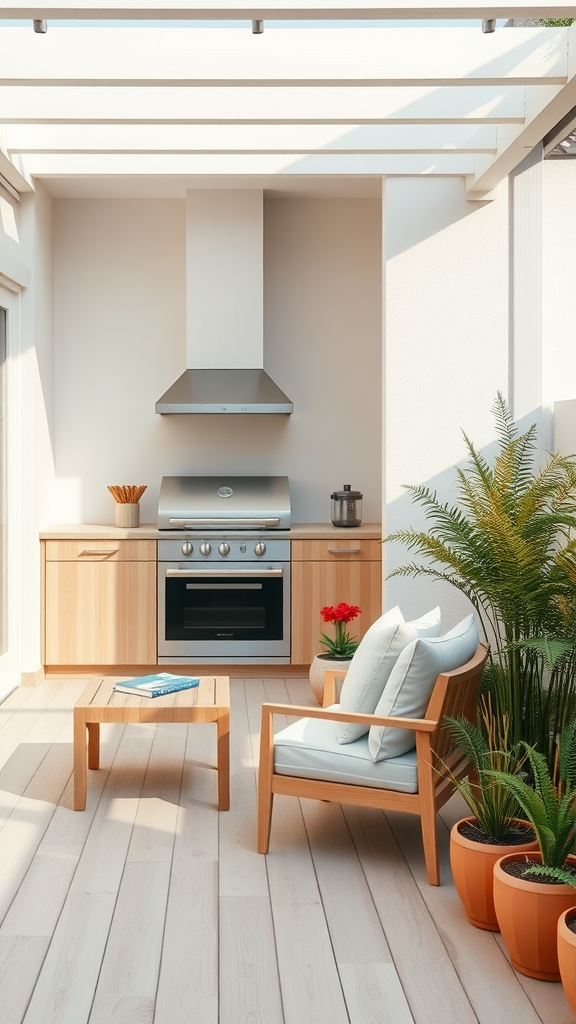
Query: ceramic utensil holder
(127,514)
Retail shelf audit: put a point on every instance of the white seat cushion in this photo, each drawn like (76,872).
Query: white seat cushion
(309,749)
(411,683)
(373,662)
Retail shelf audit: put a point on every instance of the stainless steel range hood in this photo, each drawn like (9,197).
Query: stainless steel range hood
(224,391)
(224,309)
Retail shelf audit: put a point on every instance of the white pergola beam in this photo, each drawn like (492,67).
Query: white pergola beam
(233,57)
(321,10)
(566,126)
(288,105)
(12,175)
(393,139)
(53,164)
(544,108)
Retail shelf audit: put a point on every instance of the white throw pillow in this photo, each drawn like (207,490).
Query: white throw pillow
(373,662)
(411,683)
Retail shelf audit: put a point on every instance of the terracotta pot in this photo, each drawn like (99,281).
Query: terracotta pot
(567,958)
(528,913)
(473,871)
(317,669)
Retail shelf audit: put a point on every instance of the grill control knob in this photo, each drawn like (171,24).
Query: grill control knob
(224,549)
(205,548)
(260,548)
(187,548)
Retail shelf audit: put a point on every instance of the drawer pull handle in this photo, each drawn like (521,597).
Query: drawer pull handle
(99,551)
(344,551)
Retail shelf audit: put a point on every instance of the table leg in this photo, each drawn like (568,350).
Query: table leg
(93,744)
(223,760)
(80,768)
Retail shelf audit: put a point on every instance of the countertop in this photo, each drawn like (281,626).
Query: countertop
(149,531)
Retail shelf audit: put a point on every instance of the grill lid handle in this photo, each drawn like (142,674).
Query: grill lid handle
(222,524)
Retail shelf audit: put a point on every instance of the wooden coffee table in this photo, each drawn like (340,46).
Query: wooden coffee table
(100,702)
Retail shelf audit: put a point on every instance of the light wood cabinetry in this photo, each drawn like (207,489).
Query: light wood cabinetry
(99,602)
(325,572)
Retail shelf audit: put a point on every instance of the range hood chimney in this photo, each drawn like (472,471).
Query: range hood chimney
(224,313)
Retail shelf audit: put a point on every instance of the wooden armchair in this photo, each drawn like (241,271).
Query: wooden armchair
(454,693)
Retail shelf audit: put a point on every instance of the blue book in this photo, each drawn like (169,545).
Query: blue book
(157,685)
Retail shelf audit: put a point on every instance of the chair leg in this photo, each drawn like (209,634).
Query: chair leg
(430,841)
(265,798)
(265,794)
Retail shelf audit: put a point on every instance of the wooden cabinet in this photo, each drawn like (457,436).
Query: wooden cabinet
(327,572)
(99,602)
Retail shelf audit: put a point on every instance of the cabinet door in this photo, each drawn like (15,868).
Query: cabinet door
(315,584)
(100,613)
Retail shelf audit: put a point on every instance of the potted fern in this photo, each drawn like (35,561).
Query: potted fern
(508,543)
(477,842)
(531,891)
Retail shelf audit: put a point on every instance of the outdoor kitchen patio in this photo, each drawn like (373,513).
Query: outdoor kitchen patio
(152,906)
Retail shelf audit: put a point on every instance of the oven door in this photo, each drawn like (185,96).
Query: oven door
(239,612)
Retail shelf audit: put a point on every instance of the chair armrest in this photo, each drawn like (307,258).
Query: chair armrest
(301,711)
(330,677)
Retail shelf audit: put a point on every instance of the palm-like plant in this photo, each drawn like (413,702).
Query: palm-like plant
(549,804)
(507,544)
(493,805)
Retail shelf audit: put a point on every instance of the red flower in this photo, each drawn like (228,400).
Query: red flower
(341,613)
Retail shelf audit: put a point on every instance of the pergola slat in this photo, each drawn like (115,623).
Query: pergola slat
(292,105)
(393,139)
(52,164)
(234,57)
(284,10)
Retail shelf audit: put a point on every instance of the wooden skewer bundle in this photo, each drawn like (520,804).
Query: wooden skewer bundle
(127,494)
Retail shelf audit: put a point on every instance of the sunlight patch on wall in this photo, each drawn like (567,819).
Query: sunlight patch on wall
(8,221)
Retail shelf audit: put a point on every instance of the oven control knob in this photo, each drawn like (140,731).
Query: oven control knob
(260,548)
(205,548)
(187,548)
(224,549)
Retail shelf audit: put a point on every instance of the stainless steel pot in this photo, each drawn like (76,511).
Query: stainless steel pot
(346,507)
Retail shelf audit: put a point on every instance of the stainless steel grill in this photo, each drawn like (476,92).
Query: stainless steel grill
(224,503)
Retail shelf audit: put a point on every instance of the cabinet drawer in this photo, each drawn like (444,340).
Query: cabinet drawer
(100,550)
(341,549)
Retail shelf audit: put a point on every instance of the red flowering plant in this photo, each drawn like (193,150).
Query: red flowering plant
(343,645)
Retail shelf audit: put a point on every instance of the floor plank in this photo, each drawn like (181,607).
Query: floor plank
(311,988)
(151,906)
(188,981)
(249,976)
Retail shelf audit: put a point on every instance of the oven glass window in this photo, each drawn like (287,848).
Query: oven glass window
(224,609)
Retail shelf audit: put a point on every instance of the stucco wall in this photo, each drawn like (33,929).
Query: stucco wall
(446,345)
(26,260)
(559,281)
(120,342)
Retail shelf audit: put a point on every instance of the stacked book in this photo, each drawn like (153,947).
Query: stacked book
(157,685)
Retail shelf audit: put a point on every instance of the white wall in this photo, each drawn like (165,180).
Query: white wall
(120,342)
(446,351)
(38,402)
(559,281)
(26,262)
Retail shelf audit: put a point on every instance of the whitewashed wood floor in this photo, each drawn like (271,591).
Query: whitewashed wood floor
(150,907)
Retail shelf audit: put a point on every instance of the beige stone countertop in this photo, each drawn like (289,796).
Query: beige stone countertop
(148,531)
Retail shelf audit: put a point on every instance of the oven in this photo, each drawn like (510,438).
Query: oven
(220,612)
(224,582)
